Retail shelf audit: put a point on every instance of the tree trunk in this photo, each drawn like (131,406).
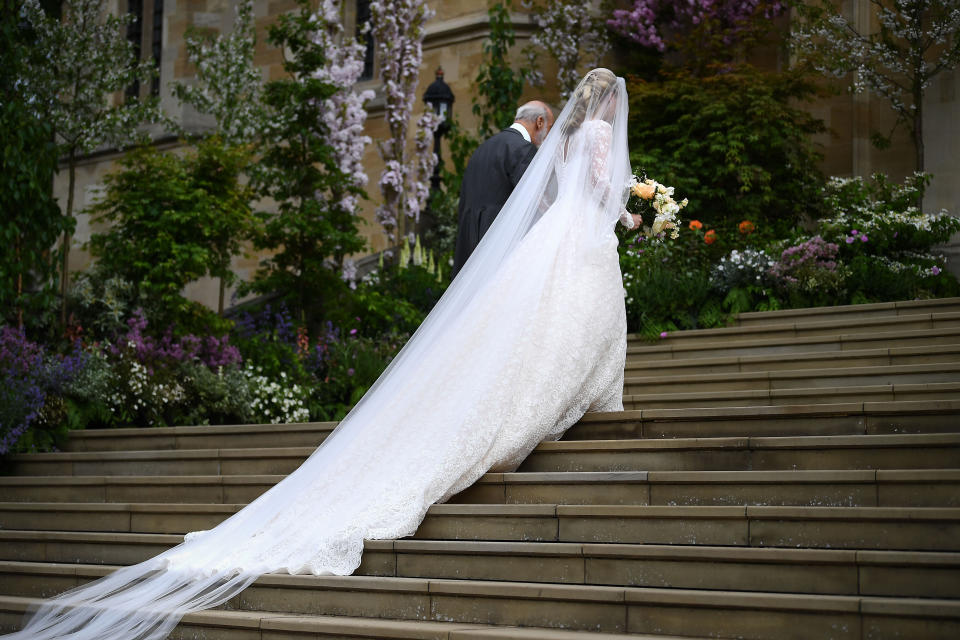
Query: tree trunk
(223,288)
(64,273)
(19,287)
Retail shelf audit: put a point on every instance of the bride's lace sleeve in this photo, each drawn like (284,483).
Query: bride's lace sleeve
(599,134)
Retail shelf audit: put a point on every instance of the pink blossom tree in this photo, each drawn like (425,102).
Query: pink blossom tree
(398,29)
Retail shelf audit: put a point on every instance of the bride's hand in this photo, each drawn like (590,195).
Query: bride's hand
(637,220)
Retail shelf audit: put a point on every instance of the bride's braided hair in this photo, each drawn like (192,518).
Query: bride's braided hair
(588,92)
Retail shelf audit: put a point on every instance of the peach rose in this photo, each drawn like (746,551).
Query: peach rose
(644,191)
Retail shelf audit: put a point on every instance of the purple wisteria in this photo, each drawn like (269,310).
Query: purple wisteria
(344,113)
(398,29)
(654,23)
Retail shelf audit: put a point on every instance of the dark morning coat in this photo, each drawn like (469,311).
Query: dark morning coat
(493,171)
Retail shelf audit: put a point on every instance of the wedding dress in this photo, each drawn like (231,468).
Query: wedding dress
(530,335)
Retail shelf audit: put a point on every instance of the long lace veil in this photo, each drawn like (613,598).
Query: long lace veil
(381,468)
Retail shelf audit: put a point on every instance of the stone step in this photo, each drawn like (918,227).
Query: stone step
(829,378)
(787,330)
(844,418)
(856,417)
(866,488)
(599,608)
(898,451)
(858,311)
(930,391)
(833,343)
(305,434)
(41,563)
(793,361)
(218,624)
(877,528)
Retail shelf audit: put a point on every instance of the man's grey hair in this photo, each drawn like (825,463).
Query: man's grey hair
(530,112)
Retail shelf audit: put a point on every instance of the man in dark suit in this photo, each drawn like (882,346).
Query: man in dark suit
(493,171)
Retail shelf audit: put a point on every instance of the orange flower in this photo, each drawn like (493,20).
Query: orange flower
(746,227)
(695,224)
(710,236)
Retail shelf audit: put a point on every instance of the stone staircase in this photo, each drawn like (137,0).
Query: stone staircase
(796,476)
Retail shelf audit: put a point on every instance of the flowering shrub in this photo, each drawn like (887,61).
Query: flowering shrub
(885,213)
(742,268)
(31,381)
(276,400)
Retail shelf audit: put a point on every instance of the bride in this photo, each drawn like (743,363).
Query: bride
(530,335)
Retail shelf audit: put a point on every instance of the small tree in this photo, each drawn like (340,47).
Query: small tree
(312,231)
(572,33)
(917,40)
(173,220)
(83,60)
(31,221)
(398,27)
(229,87)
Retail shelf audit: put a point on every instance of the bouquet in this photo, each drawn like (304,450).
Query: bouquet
(650,199)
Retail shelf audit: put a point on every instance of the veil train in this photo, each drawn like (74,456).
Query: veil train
(529,336)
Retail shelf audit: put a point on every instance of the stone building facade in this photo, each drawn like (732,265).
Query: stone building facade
(454,42)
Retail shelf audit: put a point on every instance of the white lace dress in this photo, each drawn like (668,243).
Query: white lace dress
(478,402)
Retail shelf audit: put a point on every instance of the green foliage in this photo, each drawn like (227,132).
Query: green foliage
(102,302)
(735,139)
(311,232)
(668,286)
(350,368)
(498,85)
(172,220)
(31,221)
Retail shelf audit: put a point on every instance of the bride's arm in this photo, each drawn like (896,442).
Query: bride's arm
(601,133)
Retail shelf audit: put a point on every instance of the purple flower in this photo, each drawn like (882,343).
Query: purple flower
(849,239)
(853,232)
(353,332)
(863,238)
(935,270)
(663,334)
(350,371)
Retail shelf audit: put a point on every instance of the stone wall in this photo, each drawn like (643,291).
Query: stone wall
(454,41)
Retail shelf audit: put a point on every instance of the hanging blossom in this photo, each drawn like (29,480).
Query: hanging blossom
(571,33)
(398,29)
(228,85)
(344,114)
(648,22)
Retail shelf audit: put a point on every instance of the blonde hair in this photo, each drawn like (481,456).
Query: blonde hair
(594,85)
